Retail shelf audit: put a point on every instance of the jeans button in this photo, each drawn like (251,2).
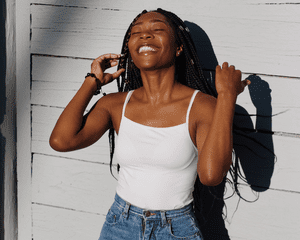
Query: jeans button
(147,213)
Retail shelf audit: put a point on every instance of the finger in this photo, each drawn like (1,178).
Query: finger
(113,63)
(232,66)
(110,77)
(218,68)
(108,63)
(225,65)
(118,73)
(246,82)
(108,56)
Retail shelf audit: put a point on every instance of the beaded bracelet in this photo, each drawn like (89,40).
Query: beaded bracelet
(97,81)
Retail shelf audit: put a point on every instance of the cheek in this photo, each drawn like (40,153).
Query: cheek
(131,44)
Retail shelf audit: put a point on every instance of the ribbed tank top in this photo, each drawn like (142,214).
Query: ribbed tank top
(158,165)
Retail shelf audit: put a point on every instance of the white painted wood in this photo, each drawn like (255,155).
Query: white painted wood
(44,120)
(248,222)
(23,118)
(263,219)
(286,172)
(284,176)
(286,149)
(94,153)
(63,224)
(59,89)
(275,215)
(54,69)
(66,70)
(79,185)
(168,4)
(8,126)
(256,36)
(281,93)
(96,4)
(60,93)
(256,43)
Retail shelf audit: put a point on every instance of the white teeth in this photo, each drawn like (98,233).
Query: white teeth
(146,49)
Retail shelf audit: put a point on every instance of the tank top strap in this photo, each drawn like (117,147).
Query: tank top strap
(190,106)
(126,101)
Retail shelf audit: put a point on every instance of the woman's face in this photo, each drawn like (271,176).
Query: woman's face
(152,42)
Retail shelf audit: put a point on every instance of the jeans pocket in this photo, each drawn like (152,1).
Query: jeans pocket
(183,227)
(113,216)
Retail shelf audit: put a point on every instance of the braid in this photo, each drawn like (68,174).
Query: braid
(188,72)
(188,68)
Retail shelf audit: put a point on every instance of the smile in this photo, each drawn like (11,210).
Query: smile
(146,49)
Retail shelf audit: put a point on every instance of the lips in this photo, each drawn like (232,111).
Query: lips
(145,48)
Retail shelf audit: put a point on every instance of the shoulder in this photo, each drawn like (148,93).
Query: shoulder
(203,108)
(114,97)
(111,101)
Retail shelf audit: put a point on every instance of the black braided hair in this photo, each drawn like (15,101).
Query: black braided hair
(188,72)
(188,69)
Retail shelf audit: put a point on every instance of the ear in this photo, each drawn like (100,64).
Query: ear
(179,50)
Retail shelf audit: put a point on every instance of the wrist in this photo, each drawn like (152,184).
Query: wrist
(91,77)
(90,83)
(227,96)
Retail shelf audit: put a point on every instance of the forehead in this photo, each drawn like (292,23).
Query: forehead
(152,17)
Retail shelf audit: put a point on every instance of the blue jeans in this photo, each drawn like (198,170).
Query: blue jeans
(125,221)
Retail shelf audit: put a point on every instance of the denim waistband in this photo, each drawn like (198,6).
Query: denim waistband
(152,214)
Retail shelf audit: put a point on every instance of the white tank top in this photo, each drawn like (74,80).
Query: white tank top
(158,165)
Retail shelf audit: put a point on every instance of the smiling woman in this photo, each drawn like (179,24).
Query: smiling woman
(158,49)
(172,130)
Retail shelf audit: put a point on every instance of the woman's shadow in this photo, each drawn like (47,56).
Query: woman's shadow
(253,145)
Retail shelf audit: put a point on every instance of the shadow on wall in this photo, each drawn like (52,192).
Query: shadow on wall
(2,111)
(253,146)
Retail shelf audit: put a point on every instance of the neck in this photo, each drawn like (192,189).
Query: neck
(158,85)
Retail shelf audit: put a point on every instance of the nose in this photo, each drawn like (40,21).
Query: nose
(146,35)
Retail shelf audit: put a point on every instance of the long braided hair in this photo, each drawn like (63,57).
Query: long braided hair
(189,73)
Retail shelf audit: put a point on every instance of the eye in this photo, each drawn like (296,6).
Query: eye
(135,33)
(135,30)
(157,27)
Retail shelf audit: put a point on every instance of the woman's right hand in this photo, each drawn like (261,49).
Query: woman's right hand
(104,62)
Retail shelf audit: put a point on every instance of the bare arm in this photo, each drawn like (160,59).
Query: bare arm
(214,134)
(69,133)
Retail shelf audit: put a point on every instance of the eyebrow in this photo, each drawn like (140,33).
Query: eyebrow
(152,21)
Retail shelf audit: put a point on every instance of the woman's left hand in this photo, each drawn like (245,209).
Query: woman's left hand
(228,80)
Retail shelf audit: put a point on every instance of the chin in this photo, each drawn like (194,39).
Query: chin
(154,66)
(146,66)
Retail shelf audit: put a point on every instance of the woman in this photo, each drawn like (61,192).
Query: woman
(168,132)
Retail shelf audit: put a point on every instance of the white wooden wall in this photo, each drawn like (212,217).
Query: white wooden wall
(71,192)
(8,125)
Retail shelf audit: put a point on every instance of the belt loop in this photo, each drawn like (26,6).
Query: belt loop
(163,218)
(126,210)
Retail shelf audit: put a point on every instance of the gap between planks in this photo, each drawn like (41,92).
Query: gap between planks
(212,70)
(73,6)
(273,189)
(73,159)
(284,3)
(70,209)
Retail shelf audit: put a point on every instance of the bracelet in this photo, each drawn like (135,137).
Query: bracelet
(97,81)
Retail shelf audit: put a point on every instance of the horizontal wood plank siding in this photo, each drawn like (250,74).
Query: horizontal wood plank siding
(71,192)
(262,36)
(58,223)
(79,185)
